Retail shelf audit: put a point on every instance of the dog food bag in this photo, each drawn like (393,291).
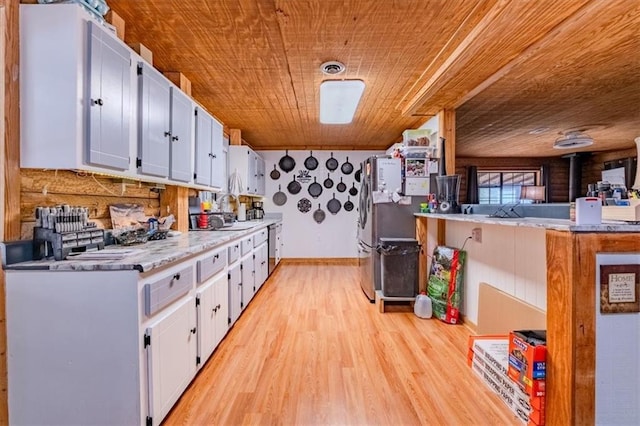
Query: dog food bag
(445,282)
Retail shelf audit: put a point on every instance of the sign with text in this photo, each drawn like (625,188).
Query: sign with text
(619,289)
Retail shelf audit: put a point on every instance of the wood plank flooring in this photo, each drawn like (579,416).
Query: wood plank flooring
(311,350)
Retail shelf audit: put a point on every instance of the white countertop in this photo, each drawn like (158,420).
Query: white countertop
(150,255)
(535,222)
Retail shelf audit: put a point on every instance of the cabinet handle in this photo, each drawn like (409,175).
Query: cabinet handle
(212,155)
(177,276)
(217,256)
(174,138)
(218,307)
(215,309)
(167,133)
(193,330)
(97,102)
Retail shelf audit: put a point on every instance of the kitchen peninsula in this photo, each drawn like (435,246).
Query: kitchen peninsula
(551,264)
(139,326)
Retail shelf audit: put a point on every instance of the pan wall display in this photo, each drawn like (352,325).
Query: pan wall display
(336,235)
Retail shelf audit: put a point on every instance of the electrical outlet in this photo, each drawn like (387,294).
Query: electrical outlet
(476,235)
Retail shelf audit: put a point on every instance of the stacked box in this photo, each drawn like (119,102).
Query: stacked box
(528,360)
(488,357)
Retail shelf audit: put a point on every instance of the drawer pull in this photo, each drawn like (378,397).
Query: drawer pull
(177,276)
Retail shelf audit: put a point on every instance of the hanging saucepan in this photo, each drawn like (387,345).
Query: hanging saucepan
(311,163)
(328,182)
(279,198)
(315,189)
(331,163)
(353,190)
(341,187)
(347,167)
(319,215)
(275,174)
(348,206)
(358,173)
(287,163)
(294,186)
(334,205)
(304,205)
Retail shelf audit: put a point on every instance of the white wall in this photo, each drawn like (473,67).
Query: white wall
(510,258)
(303,237)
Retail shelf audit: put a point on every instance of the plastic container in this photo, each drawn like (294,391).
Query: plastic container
(422,306)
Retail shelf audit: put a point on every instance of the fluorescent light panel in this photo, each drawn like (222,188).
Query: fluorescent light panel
(339,100)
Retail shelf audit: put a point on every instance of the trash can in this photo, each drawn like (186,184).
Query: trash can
(399,266)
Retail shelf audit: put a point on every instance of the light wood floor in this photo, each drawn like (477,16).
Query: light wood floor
(311,349)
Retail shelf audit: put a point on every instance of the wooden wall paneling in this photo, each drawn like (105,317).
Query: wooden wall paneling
(175,200)
(423,258)
(235,137)
(447,130)
(571,310)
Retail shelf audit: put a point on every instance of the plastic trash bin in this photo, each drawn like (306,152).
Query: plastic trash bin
(399,266)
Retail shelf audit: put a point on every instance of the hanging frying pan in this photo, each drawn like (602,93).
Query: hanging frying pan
(328,182)
(319,215)
(331,163)
(279,198)
(275,174)
(347,167)
(311,163)
(341,187)
(304,205)
(334,205)
(358,174)
(294,186)
(287,163)
(348,206)
(353,190)
(315,189)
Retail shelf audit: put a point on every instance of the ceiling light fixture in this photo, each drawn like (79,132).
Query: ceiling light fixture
(339,100)
(573,139)
(332,67)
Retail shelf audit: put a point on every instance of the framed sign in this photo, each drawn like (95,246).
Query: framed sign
(619,288)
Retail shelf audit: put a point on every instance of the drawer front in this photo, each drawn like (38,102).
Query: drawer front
(211,265)
(260,237)
(234,252)
(163,291)
(247,245)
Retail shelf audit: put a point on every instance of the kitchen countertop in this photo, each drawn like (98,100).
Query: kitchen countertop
(150,255)
(536,222)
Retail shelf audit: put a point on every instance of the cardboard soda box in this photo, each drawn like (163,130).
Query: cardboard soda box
(528,360)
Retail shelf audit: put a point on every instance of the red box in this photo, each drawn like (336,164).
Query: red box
(528,360)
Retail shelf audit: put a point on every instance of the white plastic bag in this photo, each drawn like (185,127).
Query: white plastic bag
(422,306)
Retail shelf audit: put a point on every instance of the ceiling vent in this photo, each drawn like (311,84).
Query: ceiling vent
(573,139)
(332,67)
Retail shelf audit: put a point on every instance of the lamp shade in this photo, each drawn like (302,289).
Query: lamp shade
(533,193)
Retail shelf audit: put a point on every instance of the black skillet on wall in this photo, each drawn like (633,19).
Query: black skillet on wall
(315,189)
(294,186)
(311,163)
(341,187)
(275,174)
(358,174)
(319,215)
(353,190)
(331,163)
(348,206)
(334,205)
(347,167)
(328,182)
(287,163)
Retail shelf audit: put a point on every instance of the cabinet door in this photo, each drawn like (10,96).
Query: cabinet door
(218,159)
(181,162)
(171,357)
(206,315)
(235,294)
(261,264)
(260,182)
(109,101)
(252,172)
(221,308)
(204,136)
(155,101)
(248,280)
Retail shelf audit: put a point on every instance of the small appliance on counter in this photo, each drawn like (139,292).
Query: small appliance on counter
(258,211)
(448,193)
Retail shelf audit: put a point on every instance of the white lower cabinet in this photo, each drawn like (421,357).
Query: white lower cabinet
(261,264)
(235,293)
(170,344)
(212,302)
(248,280)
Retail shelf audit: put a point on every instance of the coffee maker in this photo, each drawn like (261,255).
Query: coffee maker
(448,192)
(258,211)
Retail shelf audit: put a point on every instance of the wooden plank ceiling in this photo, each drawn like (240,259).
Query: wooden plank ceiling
(507,66)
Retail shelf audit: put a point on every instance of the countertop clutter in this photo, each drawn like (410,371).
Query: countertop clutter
(151,255)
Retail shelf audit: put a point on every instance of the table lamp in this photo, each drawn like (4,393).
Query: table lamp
(533,193)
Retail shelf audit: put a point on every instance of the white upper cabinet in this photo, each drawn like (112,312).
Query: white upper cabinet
(109,100)
(181,145)
(250,167)
(209,150)
(154,121)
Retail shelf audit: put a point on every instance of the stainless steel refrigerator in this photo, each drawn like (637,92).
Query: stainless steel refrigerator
(379,219)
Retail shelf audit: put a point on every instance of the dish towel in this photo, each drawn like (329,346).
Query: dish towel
(235,184)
